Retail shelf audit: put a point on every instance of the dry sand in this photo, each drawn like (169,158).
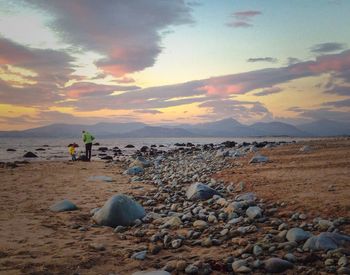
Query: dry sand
(34,240)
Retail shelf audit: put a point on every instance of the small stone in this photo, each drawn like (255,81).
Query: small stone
(343,270)
(154,249)
(257,250)
(277,265)
(324,224)
(191,269)
(254,212)
(207,242)
(181,265)
(199,224)
(173,222)
(343,261)
(139,255)
(120,229)
(297,235)
(212,219)
(244,269)
(97,246)
(64,205)
(282,226)
(290,257)
(329,262)
(176,243)
(237,264)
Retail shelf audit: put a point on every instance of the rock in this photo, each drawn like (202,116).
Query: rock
(343,261)
(326,241)
(329,262)
(305,149)
(181,265)
(257,250)
(259,159)
(176,243)
(119,210)
(64,205)
(100,178)
(244,269)
(191,269)
(200,191)
(129,146)
(10,150)
(239,186)
(30,155)
(173,222)
(297,235)
(140,162)
(238,264)
(248,197)
(207,242)
(324,224)
(343,270)
(254,212)
(290,257)
(152,272)
(199,224)
(136,170)
(139,255)
(277,265)
(97,246)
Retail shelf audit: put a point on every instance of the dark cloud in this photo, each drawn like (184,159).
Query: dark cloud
(326,113)
(269,91)
(52,67)
(327,47)
(339,90)
(293,60)
(339,103)
(263,59)
(127,33)
(243,19)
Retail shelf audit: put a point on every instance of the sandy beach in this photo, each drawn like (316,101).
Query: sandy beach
(35,240)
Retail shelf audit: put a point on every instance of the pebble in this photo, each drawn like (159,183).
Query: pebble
(191,269)
(139,255)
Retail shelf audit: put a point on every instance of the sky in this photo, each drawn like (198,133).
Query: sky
(173,62)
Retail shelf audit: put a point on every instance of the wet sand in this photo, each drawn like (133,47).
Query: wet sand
(34,240)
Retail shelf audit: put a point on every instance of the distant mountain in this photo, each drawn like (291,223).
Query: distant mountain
(222,128)
(326,127)
(69,130)
(153,131)
(278,129)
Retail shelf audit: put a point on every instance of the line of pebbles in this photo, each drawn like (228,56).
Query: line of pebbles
(188,208)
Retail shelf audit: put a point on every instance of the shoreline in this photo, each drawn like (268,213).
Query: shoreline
(34,239)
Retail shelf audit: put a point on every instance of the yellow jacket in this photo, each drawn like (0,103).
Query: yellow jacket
(71,150)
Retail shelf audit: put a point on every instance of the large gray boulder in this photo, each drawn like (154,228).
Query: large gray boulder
(119,210)
(200,191)
(327,241)
(259,159)
(64,205)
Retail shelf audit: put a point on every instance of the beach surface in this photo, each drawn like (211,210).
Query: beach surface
(35,240)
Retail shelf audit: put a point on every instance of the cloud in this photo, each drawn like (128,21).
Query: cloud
(269,91)
(263,59)
(84,89)
(51,66)
(293,60)
(127,33)
(327,47)
(246,15)
(153,112)
(325,113)
(339,103)
(214,88)
(242,19)
(339,90)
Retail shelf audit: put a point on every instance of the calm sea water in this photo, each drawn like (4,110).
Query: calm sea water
(56,149)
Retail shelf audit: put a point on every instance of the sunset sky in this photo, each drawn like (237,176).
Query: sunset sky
(169,62)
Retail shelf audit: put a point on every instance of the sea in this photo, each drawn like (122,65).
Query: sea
(53,149)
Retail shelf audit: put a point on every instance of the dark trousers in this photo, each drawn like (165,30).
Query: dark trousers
(88,147)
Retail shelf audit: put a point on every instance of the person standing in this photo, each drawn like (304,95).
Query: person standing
(87,138)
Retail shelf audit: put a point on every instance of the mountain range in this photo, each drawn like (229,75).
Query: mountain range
(223,128)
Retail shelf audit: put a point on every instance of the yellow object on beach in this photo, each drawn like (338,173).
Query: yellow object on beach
(71,150)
